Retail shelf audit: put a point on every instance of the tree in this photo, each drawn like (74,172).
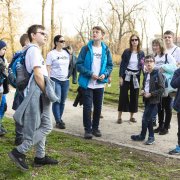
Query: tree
(52,23)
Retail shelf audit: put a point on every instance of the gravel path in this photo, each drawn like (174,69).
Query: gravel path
(111,131)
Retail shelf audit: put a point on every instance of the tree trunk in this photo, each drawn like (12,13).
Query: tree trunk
(52,23)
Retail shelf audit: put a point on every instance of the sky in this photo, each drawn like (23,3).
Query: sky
(67,10)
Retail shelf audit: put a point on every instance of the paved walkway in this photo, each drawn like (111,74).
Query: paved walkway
(113,132)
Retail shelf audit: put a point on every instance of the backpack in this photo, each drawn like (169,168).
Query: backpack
(18,75)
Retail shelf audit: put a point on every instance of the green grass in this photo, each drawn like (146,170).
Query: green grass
(83,159)
(111,95)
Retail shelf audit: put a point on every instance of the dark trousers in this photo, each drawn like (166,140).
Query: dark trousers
(165,112)
(19,132)
(95,97)
(178,117)
(147,120)
(128,103)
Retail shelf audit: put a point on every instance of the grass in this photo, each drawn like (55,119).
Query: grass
(111,95)
(83,159)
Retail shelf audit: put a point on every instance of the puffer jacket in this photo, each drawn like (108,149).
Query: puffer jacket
(156,86)
(175,83)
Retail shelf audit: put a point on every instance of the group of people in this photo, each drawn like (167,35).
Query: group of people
(158,87)
(49,82)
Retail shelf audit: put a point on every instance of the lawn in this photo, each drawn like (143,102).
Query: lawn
(87,159)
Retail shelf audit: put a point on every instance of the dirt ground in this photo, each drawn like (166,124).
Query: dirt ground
(112,132)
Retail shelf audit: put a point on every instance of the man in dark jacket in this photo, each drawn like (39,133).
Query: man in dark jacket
(175,83)
(153,87)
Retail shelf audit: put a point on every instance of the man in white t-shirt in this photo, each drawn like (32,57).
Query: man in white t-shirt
(35,63)
(172,49)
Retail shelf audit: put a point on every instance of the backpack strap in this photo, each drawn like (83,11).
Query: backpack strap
(174,50)
(166,59)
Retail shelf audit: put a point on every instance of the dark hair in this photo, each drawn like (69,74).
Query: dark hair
(56,39)
(99,28)
(130,43)
(169,33)
(150,56)
(23,39)
(160,42)
(33,29)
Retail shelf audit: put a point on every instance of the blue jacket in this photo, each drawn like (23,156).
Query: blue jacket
(175,83)
(125,61)
(84,64)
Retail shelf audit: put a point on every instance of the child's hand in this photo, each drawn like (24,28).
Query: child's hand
(120,81)
(142,93)
(147,95)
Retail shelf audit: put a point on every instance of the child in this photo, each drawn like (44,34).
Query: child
(3,76)
(153,87)
(175,83)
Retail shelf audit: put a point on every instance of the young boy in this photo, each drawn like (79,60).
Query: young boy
(94,65)
(153,87)
(175,83)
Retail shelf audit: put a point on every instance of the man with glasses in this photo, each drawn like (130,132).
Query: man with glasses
(36,120)
(152,90)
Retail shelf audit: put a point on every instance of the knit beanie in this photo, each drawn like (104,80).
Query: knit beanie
(2,44)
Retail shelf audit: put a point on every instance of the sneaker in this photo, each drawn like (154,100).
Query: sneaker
(88,135)
(97,133)
(163,132)
(44,161)
(63,122)
(119,121)
(137,138)
(60,125)
(157,130)
(19,159)
(151,140)
(2,133)
(175,151)
(133,120)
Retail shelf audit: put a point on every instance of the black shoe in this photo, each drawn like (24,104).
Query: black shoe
(60,125)
(154,124)
(157,130)
(88,135)
(63,122)
(44,161)
(19,159)
(163,132)
(97,133)
(17,142)
(137,138)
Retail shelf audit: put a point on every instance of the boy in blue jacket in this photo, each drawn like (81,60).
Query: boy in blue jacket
(175,83)
(94,65)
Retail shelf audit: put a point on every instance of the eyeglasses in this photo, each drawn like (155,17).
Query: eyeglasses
(149,61)
(62,41)
(42,33)
(167,37)
(134,40)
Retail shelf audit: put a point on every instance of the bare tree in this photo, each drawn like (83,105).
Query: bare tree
(124,12)
(52,22)
(43,14)
(161,12)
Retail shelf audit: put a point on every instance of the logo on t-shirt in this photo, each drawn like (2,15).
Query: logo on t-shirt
(97,55)
(62,57)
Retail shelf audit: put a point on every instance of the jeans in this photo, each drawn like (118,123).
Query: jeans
(61,89)
(147,120)
(178,117)
(95,97)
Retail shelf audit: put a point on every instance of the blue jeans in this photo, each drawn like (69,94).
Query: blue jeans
(95,97)
(147,119)
(61,89)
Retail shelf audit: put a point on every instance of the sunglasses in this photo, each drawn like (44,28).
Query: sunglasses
(134,40)
(42,33)
(149,61)
(62,41)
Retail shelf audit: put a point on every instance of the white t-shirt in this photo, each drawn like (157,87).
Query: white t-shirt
(146,87)
(159,61)
(175,52)
(34,59)
(59,62)
(133,62)
(96,67)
